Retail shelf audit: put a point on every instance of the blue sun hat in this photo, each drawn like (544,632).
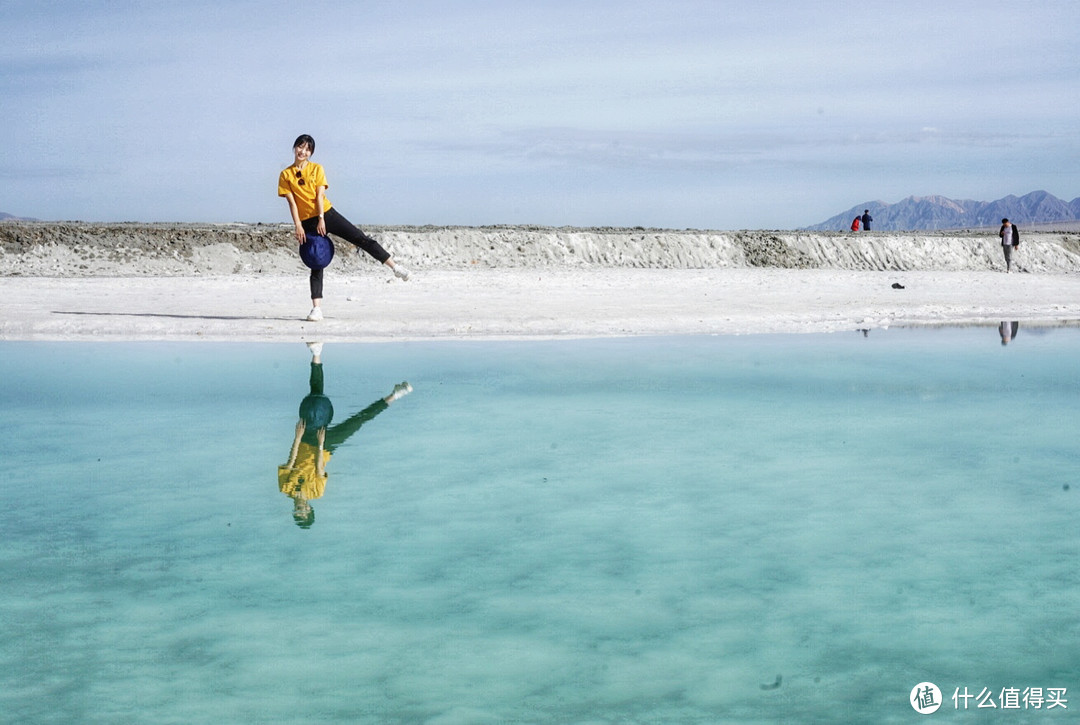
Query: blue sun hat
(317,251)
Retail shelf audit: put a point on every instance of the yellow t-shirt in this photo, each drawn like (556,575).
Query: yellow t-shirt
(304,194)
(303,478)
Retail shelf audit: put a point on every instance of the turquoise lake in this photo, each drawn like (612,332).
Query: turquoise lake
(759,529)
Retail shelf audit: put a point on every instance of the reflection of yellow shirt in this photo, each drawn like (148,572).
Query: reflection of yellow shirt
(304,194)
(302,479)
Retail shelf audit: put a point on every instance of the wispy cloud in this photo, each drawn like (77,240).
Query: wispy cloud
(506,102)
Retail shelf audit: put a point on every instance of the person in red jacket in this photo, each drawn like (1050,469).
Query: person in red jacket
(855,224)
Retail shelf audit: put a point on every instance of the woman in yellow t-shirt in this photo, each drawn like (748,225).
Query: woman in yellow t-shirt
(303,184)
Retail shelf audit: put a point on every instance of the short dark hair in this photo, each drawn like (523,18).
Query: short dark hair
(304,520)
(1004,220)
(304,140)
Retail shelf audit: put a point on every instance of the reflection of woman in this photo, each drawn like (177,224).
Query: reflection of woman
(303,477)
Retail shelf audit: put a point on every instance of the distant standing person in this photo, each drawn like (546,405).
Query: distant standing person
(303,184)
(866,219)
(1010,240)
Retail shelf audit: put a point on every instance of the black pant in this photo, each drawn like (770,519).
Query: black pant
(339,226)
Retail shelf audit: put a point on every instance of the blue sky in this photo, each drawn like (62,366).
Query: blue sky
(678,114)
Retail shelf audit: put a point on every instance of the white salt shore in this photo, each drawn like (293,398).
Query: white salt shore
(483,286)
(524,304)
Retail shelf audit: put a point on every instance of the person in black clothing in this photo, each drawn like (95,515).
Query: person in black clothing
(866,219)
(1010,240)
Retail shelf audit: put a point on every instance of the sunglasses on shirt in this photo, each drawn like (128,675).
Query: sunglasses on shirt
(301,178)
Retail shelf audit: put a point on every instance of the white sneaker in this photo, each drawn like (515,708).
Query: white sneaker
(400,391)
(401,273)
(316,348)
(315,315)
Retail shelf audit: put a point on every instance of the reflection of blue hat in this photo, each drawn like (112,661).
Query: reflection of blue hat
(317,251)
(317,411)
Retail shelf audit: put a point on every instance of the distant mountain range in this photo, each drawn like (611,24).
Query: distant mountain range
(929,213)
(925,213)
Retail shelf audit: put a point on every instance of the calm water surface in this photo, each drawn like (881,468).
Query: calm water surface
(686,530)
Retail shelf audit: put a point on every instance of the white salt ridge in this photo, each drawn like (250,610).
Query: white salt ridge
(86,250)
